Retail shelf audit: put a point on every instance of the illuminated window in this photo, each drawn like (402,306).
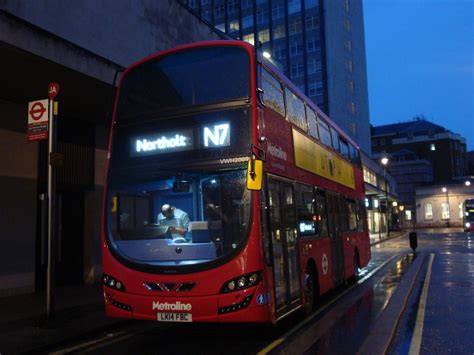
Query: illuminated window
(408,215)
(444,210)
(264,36)
(428,211)
(249,38)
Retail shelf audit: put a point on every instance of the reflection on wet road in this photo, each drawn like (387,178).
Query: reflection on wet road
(349,317)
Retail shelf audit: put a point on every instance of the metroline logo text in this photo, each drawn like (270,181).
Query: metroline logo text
(177,306)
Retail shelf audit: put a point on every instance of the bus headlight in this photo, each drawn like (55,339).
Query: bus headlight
(242,282)
(111,282)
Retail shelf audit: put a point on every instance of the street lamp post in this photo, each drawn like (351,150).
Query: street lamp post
(448,215)
(384,163)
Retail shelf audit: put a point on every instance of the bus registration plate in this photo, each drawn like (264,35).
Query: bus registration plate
(174,317)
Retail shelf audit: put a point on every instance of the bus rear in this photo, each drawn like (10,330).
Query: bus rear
(181,138)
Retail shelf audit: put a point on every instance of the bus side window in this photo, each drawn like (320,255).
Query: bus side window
(344,148)
(312,123)
(272,93)
(306,222)
(295,110)
(324,133)
(335,140)
(321,213)
(352,214)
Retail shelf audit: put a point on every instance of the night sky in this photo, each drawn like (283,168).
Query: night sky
(420,61)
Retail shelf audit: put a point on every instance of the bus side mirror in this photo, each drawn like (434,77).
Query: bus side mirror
(254,175)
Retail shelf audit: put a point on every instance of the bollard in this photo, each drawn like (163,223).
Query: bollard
(413,241)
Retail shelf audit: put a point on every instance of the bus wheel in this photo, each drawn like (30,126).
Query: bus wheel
(311,289)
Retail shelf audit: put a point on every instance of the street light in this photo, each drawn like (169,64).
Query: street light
(448,215)
(467,183)
(384,161)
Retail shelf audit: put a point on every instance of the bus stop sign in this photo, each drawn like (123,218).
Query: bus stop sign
(53,90)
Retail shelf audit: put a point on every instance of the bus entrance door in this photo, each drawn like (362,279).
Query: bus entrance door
(284,246)
(335,207)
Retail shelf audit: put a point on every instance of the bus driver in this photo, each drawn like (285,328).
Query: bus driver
(173,217)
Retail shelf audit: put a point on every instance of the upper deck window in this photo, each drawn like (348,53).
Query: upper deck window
(196,76)
(324,133)
(296,112)
(335,140)
(272,93)
(312,123)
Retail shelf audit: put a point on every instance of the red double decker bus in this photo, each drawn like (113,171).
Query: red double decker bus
(230,197)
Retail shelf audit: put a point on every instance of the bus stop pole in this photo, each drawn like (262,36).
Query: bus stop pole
(51,215)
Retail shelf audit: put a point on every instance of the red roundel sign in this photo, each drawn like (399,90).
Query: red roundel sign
(53,90)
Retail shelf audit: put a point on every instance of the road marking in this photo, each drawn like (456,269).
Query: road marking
(297,327)
(420,316)
(88,343)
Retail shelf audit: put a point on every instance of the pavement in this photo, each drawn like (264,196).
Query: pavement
(78,314)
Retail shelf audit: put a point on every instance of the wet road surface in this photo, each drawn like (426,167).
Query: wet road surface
(347,316)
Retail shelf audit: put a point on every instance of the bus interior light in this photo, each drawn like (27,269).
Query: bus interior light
(242,282)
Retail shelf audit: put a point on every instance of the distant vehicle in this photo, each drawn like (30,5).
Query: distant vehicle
(273,190)
(468,220)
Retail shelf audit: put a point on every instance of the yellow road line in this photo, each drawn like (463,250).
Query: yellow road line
(420,316)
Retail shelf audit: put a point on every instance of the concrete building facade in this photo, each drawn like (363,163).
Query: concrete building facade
(80,45)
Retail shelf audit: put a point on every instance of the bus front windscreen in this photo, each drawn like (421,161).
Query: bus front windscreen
(192,77)
(178,219)
(176,191)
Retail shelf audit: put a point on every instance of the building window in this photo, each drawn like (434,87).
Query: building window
(279,31)
(294,6)
(278,11)
(348,45)
(262,16)
(444,210)
(249,38)
(279,51)
(234,26)
(428,211)
(312,44)
(219,11)
(349,65)
(247,21)
(347,25)
(312,21)
(432,147)
(314,66)
(294,27)
(264,36)
(296,48)
(297,70)
(231,6)
(408,215)
(311,3)
(246,4)
(315,88)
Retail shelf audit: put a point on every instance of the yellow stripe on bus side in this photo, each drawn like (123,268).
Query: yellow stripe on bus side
(313,157)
